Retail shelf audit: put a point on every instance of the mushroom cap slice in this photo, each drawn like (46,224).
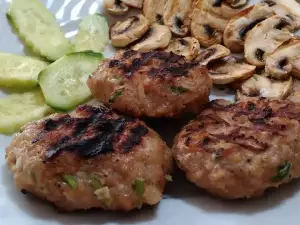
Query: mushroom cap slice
(229,69)
(237,3)
(115,7)
(278,64)
(220,8)
(214,52)
(237,28)
(158,36)
(266,37)
(296,66)
(125,32)
(290,8)
(153,10)
(295,94)
(188,47)
(134,3)
(176,16)
(207,28)
(261,86)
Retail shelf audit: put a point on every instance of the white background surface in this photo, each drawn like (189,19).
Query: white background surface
(184,203)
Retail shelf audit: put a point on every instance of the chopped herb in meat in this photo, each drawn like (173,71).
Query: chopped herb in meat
(178,90)
(95,180)
(70,180)
(139,187)
(251,106)
(114,97)
(282,172)
(169,178)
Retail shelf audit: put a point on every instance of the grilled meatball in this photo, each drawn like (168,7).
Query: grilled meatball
(239,150)
(153,84)
(92,158)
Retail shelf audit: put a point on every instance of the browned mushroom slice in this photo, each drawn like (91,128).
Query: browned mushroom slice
(212,53)
(237,3)
(266,37)
(176,16)
(153,10)
(261,86)
(158,36)
(125,32)
(278,64)
(115,7)
(134,3)
(295,94)
(296,66)
(237,28)
(207,28)
(188,47)
(229,70)
(290,8)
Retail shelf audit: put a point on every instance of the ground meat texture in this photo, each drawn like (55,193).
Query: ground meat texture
(153,84)
(92,158)
(240,150)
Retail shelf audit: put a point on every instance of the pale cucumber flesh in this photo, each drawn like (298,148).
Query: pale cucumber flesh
(64,82)
(38,28)
(18,109)
(93,34)
(19,72)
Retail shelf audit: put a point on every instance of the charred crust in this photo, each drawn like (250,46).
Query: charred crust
(99,131)
(249,27)
(166,64)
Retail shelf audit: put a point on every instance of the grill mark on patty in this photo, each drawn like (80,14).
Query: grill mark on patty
(161,64)
(92,135)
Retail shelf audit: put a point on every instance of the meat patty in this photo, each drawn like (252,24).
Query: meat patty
(239,150)
(153,84)
(92,158)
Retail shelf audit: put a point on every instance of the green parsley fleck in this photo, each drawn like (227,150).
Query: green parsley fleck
(114,97)
(169,178)
(282,172)
(95,180)
(251,106)
(139,187)
(178,90)
(70,180)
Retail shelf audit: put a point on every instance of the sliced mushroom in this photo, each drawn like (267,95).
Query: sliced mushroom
(266,37)
(134,3)
(261,86)
(212,53)
(207,28)
(229,70)
(176,16)
(188,47)
(209,20)
(115,7)
(158,36)
(237,3)
(296,66)
(153,10)
(278,64)
(295,94)
(237,28)
(290,8)
(125,32)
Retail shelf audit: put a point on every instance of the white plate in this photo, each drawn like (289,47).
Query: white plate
(184,203)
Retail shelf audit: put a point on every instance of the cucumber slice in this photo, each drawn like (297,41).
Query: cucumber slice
(64,82)
(20,72)
(38,28)
(93,34)
(18,109)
